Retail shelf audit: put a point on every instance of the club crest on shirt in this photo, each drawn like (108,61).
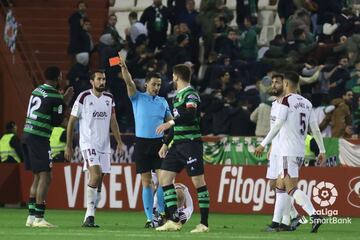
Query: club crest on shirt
(107,102)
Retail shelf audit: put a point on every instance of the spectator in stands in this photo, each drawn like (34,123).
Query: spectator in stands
(138,57)
(111,29)
(299,49)
(286,8)
(193,47)
(299,20)
(248,39)
(10,147)
(338,77)
(356,118)
(351,47)
(340,118)
(175,8)
(156,17)
(245,8)
(261,116)
(182,52)
(189,16)
(86,43)
(78,74)
(76,21)
(241,115)
(136,28)
(222,82)
(229,45)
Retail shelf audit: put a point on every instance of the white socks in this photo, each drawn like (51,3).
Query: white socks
(286,210)
(98,198)
(301,199)
(280,202)
(91,200)
(293,212)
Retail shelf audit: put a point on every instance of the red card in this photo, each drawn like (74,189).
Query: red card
(115,61)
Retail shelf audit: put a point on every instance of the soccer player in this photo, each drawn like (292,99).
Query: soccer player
(293,118)
(45,111)
(186,151)
(94,109)
(185,205)
(277,90)
(150,111)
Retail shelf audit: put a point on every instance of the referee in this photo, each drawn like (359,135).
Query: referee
(150,111)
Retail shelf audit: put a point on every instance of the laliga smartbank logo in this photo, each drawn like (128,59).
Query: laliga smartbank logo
(325,195)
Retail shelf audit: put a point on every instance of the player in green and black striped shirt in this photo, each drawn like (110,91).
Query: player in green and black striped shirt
(45,111)
(186,151)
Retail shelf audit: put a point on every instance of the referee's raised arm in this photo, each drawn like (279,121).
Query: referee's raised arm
(130,85)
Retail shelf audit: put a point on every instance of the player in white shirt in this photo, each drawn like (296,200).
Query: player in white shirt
(277,90)
(94,109)
(184,201)
(293,118)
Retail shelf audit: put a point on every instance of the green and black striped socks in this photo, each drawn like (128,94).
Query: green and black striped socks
(170,198)
(31,206)
(204,204)
(39,210)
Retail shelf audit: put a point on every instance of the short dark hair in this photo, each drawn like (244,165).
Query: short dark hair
(133,15)
(86,19)
(10,126)
(80,2)
(52,73)
(251,19)
(151,75)
(183,71)
(278,75)
(293,77)
(297,33)
(93,73)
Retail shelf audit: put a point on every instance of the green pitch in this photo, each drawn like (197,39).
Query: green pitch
(129,225)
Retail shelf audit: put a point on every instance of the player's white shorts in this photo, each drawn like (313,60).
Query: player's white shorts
(290,166)
(272,172)
(92,157)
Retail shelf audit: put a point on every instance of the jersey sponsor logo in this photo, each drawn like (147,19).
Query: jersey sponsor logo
(176,113)
(97,114)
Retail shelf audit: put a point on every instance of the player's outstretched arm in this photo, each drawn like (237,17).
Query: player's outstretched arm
(116,131)
(130,84)
(69,151)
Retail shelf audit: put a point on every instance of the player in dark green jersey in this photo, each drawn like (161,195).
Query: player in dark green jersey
(186,151)
(45,111)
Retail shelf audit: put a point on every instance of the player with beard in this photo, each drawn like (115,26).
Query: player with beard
(94,108)
(282,199)
(293,117)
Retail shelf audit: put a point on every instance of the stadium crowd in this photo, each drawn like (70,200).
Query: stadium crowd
(232,65)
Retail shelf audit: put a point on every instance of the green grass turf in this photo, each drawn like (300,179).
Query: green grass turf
(129,225)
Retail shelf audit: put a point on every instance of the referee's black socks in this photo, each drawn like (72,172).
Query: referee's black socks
(31,206)
(204,204)
(170,198)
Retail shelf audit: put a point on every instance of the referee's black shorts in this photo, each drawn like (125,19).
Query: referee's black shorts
(37,154)
(146,154)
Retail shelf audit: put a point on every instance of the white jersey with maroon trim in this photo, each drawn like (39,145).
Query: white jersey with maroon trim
(275,150)
(94,114)
(296,112)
